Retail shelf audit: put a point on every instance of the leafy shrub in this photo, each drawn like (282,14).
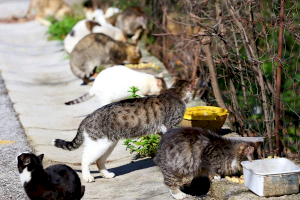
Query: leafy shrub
(58,30)
(144,146)
(99,69)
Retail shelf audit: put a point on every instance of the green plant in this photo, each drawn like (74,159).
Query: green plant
(99,69)
(67,57)
(59,29)
(145,146)
(134,90)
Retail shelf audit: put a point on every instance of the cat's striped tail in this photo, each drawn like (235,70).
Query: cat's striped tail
(74,144)
(83,98)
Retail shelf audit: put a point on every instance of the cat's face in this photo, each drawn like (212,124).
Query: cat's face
(246,152)
(185,87)
(29,161)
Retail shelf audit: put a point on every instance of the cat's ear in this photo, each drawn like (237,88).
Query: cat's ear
(41,157)
(194,82)
(161,75)
(175,79)
(26,160)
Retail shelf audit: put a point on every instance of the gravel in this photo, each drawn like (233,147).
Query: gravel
(11,130)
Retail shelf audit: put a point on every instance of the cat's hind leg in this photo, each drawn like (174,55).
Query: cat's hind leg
(101,162)
(174,184)
(93,150)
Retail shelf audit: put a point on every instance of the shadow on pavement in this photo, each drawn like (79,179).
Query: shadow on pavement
(130,167)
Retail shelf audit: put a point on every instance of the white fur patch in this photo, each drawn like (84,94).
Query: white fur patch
(25,176)
(109,30)
(179,195)
(53,142)
(188,97)
(234,165)
(80,31)
(164,129)
(111,11)
(93,151)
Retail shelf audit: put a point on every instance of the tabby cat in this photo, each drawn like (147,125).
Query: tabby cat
(54,182)
(186,153)
(96,49)
(130,118)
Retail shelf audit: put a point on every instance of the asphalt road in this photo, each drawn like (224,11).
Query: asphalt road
(10,131)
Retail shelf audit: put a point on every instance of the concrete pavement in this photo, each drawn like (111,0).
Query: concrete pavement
(38,80)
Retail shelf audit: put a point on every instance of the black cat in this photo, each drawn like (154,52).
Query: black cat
(54,182)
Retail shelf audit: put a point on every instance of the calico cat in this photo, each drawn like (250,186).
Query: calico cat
(112,84)
(133,21)
(96,49)
(85,27)
(130,118)
(48,8)
(54,182)
(186,153)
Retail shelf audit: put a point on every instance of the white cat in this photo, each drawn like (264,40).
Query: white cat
(112,84)
(85,27)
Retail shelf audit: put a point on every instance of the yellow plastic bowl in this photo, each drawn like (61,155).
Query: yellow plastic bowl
(208,117)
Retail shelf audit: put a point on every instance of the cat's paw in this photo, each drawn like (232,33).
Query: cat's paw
(108,175)
(88,179)
(179,195)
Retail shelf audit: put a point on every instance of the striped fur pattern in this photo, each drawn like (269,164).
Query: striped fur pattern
(83,98)
(128,118)
(74,144)
(186,153)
